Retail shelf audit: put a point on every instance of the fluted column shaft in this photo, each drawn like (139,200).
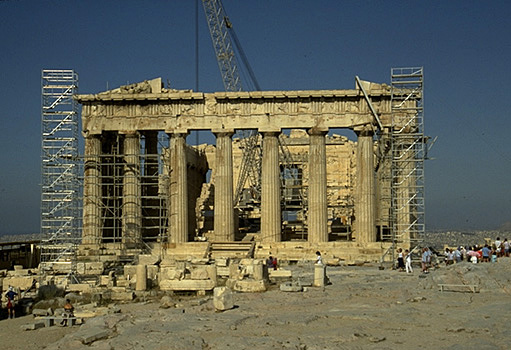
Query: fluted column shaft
(317,213)
(178,189)
(270,189)
(224,210)
(91,233)
(365,205)
(131,202)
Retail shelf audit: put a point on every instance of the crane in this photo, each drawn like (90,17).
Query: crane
(222,31)
(222,36)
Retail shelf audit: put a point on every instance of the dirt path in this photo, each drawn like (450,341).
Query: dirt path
(12,337)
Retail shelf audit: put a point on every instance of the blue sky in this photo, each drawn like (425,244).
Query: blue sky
(464,47)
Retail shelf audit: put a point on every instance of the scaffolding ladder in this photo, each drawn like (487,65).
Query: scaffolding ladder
(60,185)
(408,150)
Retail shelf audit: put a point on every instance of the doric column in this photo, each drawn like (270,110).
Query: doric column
(365,203)
(131,199)
(92,191)
(178,189)
(224,210)
(270,189)
(317,212)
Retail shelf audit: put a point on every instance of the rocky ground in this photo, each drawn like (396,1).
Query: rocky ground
(363,308)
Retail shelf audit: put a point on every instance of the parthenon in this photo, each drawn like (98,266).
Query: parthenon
(140,193)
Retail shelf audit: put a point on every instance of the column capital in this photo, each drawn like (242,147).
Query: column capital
(178,133)
(270,133)
(365,130)
(317,131)
(223,132)
(129,133)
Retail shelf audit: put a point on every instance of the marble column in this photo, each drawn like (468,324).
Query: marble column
(317,211)
(131,199)
(224,198)
(365,203)
(270,189)
(178,189)
(91,233)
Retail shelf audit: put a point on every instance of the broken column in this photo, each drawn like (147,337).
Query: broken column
(222,299)
(224,210)
(141,282)
(319,275)
(270,189)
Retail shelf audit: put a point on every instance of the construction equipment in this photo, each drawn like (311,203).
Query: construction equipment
(223,36)
(222,31)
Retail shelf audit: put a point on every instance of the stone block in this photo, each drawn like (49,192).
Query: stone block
(222,270)
(40,312)
(222,262)
(94,268)
(130,270)
(185,285)
(291,287)
(222,299)
(21,282)
(90,335)
(172,273)
(280,273)
(148,259)
(33,326)
(80,287)
(250,286)
(199,273)
(122,296)
(80,268)
(104,280)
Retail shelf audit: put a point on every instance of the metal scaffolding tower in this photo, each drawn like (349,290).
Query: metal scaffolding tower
(408,150)
(60,185)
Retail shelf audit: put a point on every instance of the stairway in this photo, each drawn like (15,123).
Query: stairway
(231,249)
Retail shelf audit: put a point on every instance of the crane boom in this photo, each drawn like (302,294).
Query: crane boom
(218,28)
(221,31)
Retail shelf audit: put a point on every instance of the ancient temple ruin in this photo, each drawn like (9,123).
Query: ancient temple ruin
(142,194)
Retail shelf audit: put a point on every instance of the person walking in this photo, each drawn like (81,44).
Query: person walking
(408,263)
(10,295)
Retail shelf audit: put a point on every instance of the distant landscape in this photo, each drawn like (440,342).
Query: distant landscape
(437,239)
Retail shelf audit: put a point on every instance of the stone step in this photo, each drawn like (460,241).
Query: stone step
(239,249)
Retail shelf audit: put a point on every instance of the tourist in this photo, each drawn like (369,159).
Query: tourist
(274,264)
(486,253)
(269,262)
(449,257)
(506,247)
(400,260)
(458,255)
(424,260)
(68,312)
(11,294)
(494,255)
(319,260)
(408,258)
(498,246)
(464,252)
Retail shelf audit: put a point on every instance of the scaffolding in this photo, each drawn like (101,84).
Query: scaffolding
(408,150)
(60,164)
(151,172)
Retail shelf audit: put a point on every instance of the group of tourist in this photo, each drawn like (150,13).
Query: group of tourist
(475,254)
(486,253)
